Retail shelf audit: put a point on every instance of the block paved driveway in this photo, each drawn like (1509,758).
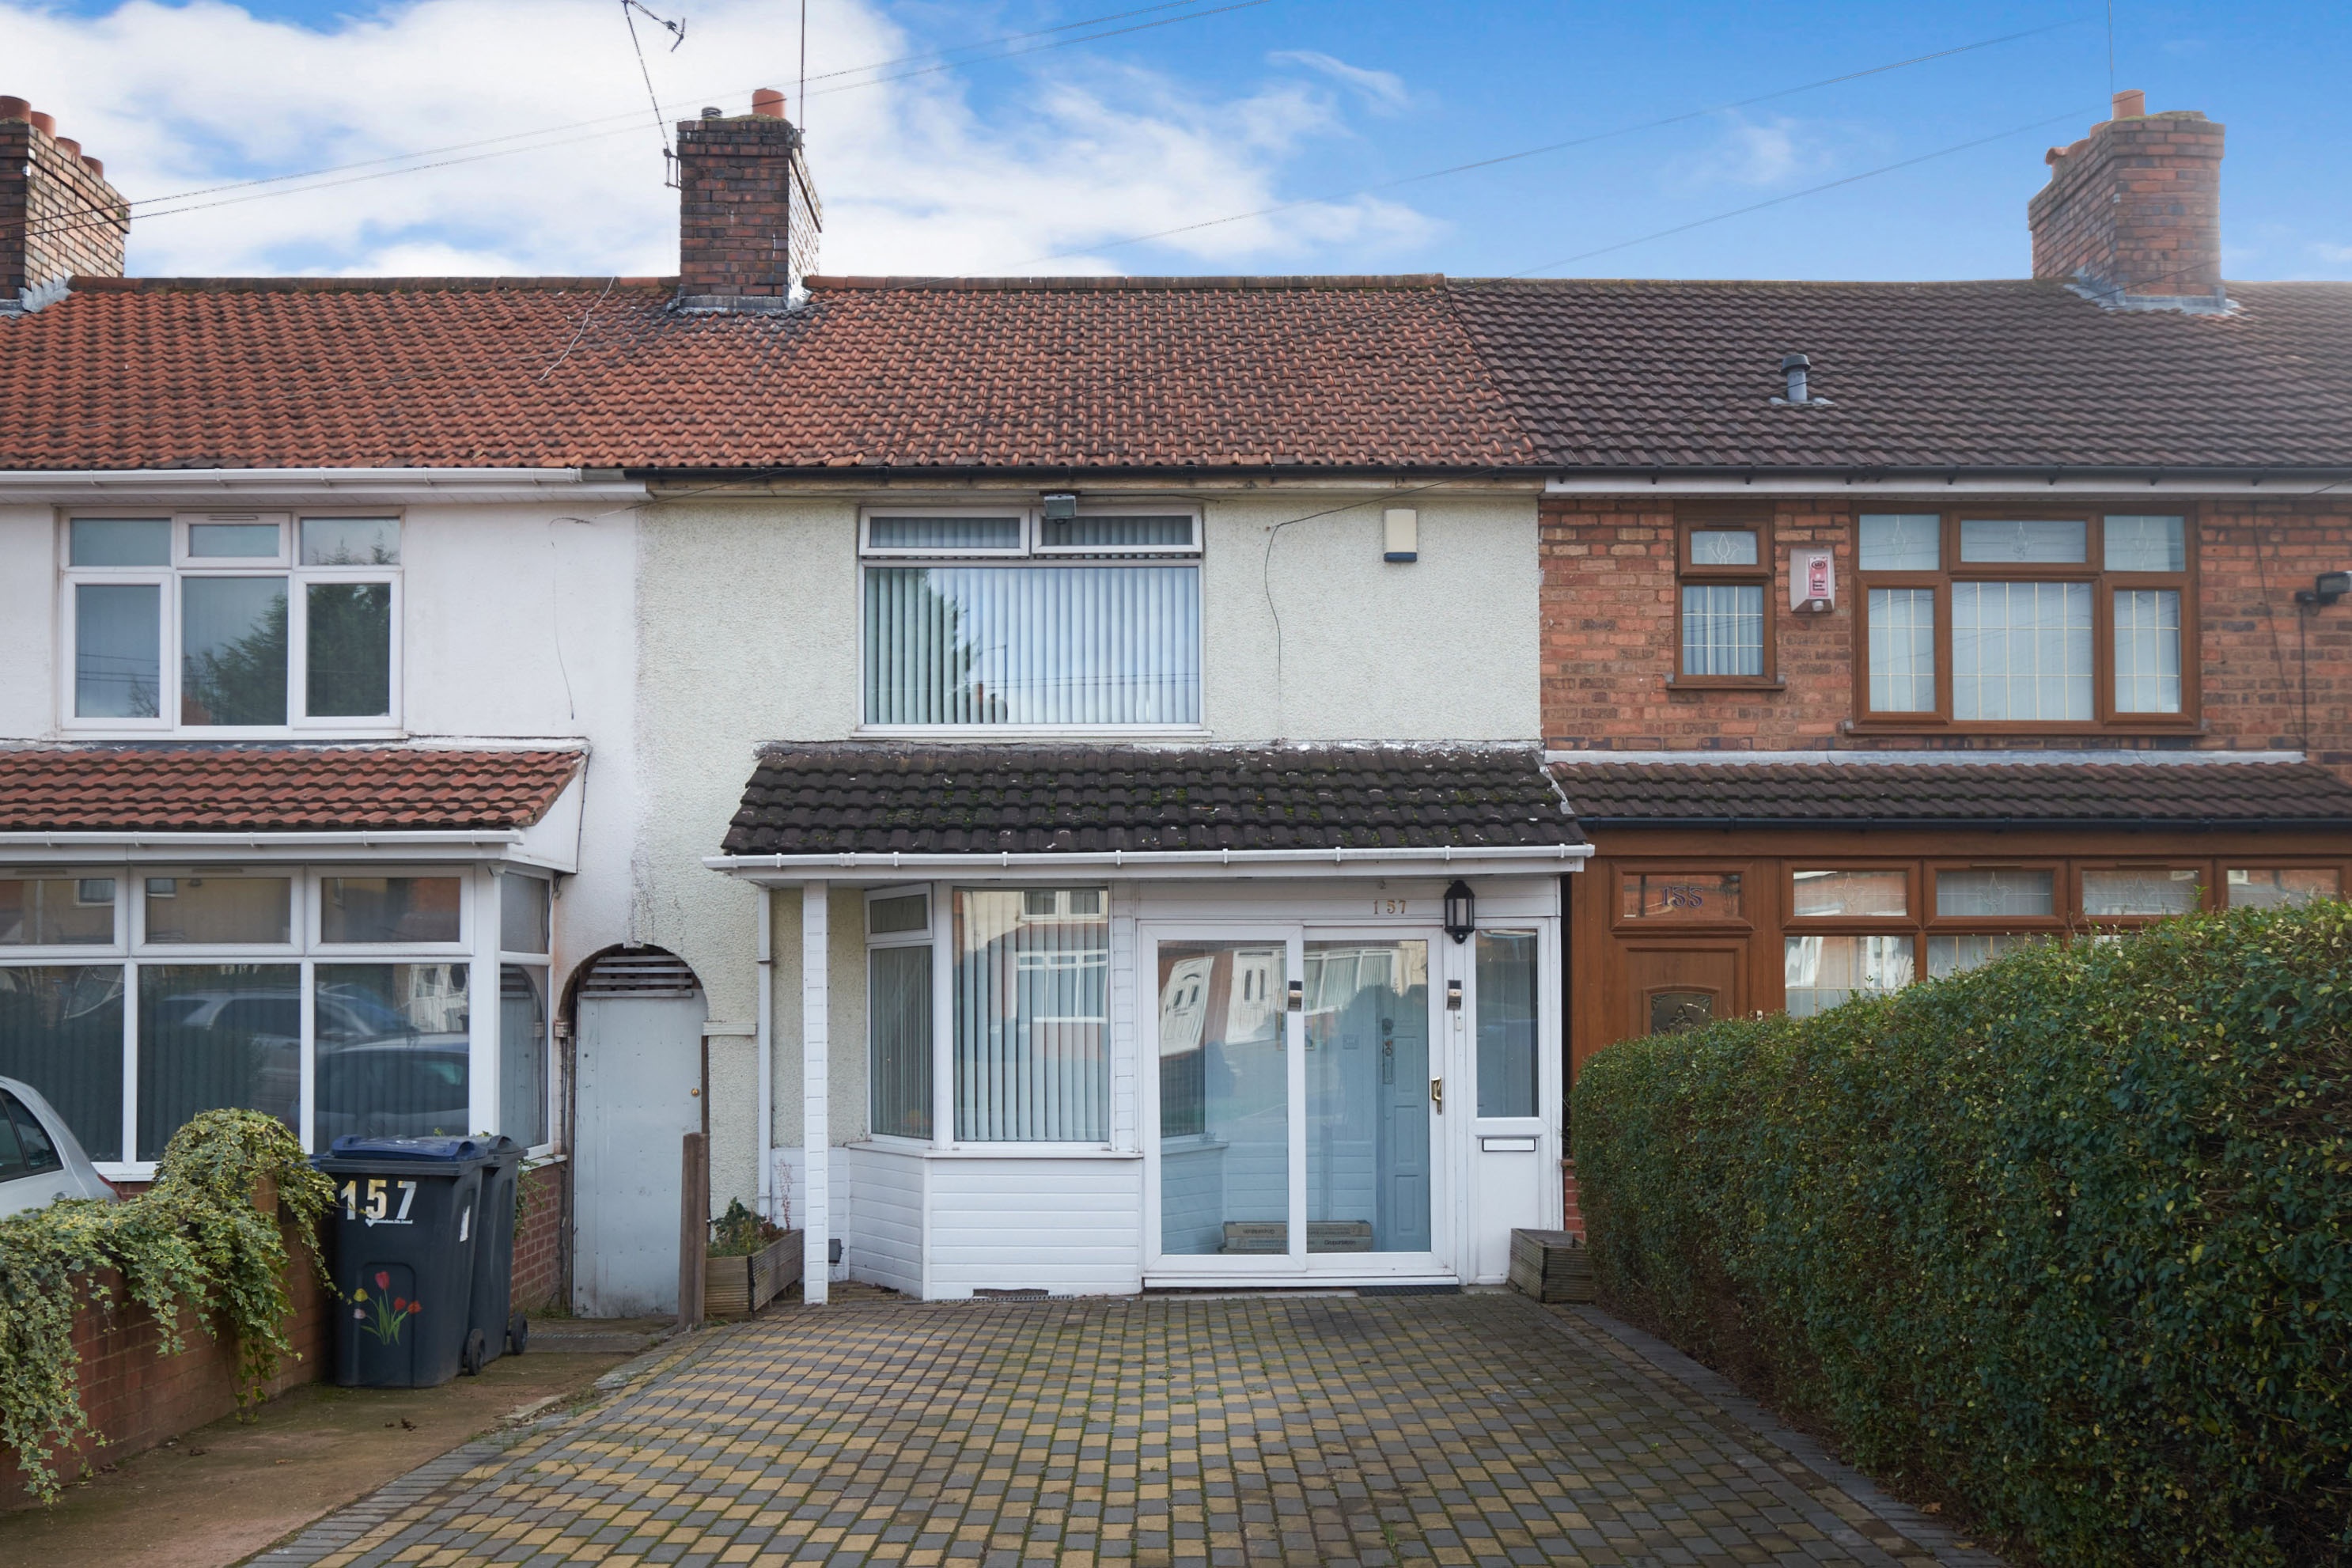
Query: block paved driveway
(1476,1428)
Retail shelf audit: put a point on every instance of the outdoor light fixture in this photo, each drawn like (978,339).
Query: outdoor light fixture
(2325,588)
(1461,911)
(1060,506)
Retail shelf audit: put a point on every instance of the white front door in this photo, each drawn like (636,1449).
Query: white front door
(1295,1123)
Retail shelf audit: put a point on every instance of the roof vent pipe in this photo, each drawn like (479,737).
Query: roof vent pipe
(1796,368)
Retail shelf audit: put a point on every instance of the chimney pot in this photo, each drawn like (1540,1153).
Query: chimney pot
(93,165)
(14,108)
(41,121)
(69,147)
(768,103)
(710,111)
(2131,104)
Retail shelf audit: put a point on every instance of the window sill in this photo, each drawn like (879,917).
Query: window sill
(74,729)
(913,1151)
(2064,729)
(1025,732)
(1725,683)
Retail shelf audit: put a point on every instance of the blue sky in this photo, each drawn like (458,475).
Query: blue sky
(1045,161)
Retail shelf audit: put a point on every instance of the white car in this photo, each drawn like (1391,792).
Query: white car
(40,1159)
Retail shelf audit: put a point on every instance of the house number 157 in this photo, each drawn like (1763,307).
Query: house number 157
(1388,906)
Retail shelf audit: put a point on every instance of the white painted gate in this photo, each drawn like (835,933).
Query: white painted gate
(639,1067)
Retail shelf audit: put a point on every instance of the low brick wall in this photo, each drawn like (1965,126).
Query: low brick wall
(539,1250)
(1571,1216)
(137,1398)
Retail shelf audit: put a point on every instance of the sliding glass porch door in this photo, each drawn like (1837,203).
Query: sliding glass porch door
(1297,1128)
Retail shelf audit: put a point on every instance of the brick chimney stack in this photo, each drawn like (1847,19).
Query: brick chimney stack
(58,216)
(748,214)
(2132,214)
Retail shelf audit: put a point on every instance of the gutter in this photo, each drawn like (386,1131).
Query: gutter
(813,866)
(244,484)
(1980,824)
(456,839)
(1725,480)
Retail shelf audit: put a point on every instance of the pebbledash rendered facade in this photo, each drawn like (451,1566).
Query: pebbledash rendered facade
(1099,784)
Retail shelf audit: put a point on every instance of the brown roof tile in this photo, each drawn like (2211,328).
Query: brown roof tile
(949,800)
(265,789)
(2010,374)
(2022,794)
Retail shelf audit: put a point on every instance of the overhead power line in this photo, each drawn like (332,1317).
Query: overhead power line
(1795,196)
(546,136)
(1680,119)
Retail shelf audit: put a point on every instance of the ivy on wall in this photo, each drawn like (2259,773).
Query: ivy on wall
(2067,1240)
(194,1241)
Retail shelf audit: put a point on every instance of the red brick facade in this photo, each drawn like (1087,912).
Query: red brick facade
(58,216)
(1610,631)
(539,1249)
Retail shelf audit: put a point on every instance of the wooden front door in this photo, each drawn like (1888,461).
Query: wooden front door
(1677,988)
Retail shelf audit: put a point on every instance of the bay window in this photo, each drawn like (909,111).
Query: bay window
(899,1012)
(2023,622)
(980,620)
(218,622)
(340,1000)
(1031,1032)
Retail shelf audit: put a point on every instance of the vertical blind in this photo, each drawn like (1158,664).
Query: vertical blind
(1032,1015)
(1033,645)
(1723,629)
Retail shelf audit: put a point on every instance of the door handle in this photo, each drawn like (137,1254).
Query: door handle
(1437,1094)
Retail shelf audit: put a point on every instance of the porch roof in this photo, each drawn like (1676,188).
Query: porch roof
(1935,790)
(1048,800)
(80,791)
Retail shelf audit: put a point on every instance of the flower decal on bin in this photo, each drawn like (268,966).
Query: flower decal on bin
(383,1315)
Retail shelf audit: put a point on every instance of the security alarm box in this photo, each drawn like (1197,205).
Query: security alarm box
(1812,580)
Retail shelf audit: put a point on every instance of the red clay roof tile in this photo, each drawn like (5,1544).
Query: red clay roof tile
(265,789)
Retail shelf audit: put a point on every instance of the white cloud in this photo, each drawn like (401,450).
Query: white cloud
(177,98)
(1757,154)
(1383,89)
(2332,252)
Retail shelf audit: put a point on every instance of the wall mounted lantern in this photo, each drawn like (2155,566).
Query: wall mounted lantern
(1461,911)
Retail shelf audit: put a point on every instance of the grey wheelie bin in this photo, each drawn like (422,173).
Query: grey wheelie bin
(503,1330)
(403,1228)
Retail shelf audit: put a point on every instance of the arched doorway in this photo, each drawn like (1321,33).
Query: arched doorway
(638,1074)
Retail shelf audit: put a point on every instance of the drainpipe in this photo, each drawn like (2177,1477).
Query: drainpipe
(766,1045)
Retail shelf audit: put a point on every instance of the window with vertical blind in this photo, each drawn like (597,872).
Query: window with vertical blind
(975,620)
(1726,571)
(1032,1028)
(2025,621)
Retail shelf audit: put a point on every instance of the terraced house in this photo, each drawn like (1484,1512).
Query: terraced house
(1091,785)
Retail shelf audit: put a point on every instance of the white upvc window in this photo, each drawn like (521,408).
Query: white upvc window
(990,619)
(381,1000)
(230,625)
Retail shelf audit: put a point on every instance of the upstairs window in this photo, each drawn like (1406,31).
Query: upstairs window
(1726,631)
(996,619)
(224,623)
(2015,622)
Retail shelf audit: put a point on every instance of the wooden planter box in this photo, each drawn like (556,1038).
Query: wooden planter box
(738,1287)
(1550,1266)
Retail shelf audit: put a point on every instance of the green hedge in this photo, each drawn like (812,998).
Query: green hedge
(2068,1239)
